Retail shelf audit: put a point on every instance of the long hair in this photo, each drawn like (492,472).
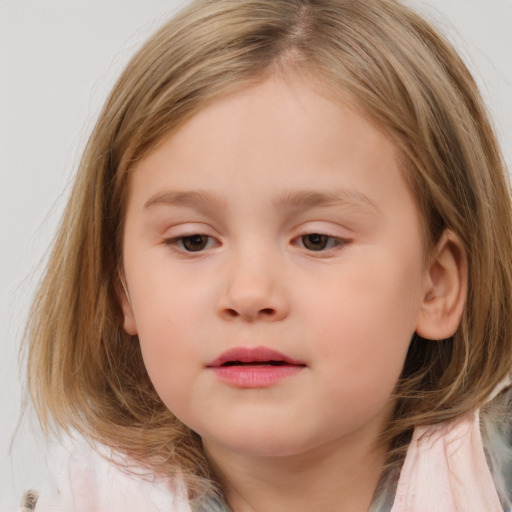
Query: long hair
(85,373)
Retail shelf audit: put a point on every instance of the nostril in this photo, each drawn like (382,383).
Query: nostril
(261,313)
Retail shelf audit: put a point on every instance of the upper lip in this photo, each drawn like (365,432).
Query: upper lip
(252,355)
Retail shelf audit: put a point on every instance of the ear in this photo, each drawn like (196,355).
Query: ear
(129,324)
(446,284)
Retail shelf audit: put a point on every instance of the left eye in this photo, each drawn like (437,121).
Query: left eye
(319,242)
(192,243)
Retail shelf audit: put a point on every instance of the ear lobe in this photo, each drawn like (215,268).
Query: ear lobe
(129,324)
(445,289)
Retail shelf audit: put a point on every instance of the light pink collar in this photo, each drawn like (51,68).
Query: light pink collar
(445,470)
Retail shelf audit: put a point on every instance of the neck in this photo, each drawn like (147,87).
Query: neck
(336,477)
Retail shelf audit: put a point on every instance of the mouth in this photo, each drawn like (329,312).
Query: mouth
(253,363)
(257,356)
(258,367)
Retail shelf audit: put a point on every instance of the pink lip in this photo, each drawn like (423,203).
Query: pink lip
(262,367)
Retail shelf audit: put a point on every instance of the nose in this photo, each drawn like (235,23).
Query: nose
(253,291)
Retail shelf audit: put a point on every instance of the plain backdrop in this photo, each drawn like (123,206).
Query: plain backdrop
(58,60)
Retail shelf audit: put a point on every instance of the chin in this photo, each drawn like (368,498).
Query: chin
(264,442)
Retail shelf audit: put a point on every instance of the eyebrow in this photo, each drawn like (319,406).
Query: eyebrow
(184,198)
(290,200)
(311,199)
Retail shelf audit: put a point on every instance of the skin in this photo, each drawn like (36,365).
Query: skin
(346,310)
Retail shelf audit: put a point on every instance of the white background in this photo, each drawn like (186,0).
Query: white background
(58,60)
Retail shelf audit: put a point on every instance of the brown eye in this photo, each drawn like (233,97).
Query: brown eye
(194,243)
(315,241)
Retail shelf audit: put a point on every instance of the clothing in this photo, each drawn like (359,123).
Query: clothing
(85,481)
(445,470)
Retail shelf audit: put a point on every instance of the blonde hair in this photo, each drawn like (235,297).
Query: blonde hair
(86,373)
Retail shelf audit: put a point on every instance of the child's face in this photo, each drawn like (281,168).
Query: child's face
(274,218)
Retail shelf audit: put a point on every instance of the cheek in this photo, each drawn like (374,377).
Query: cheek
(168,302)
(169,343)
(170,308)
(366,321)
(171,363)
(166,328)
(370,305)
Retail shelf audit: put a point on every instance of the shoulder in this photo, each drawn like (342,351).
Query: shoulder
(84,478)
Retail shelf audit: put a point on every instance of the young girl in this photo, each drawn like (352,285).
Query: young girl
(283,278)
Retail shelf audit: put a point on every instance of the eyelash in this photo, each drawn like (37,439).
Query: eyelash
(336,243)
(178,242)
(331,242)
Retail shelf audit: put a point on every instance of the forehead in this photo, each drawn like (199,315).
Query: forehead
(276,120)
(273,140)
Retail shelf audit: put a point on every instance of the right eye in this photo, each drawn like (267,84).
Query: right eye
(318,242)
(192,243)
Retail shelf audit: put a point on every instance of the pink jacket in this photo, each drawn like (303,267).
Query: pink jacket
(445,470)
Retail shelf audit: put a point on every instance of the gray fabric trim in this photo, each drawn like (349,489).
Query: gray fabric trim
(382,503)
(212,505)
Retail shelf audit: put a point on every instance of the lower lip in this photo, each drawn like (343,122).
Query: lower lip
(256,376)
